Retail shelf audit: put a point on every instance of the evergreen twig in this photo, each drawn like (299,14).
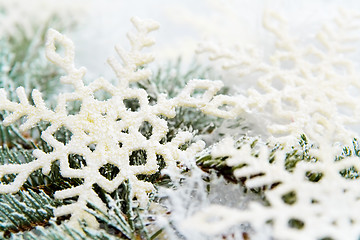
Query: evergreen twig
(25,210)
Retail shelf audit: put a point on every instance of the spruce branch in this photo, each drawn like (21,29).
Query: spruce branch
(25,210)
(64,232)
(123,218)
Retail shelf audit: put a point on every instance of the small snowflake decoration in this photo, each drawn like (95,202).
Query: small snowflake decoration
(108,125)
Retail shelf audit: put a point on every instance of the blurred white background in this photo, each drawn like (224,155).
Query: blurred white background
(185,23)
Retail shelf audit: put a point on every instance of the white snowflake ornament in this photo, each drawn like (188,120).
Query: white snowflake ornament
(311,88)
(109,126)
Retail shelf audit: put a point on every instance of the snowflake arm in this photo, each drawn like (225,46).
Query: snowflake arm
(33,113)
(128,71)
(208,103)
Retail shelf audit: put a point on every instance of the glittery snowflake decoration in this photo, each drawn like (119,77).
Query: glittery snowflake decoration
(312,88)
(312,200)
(107,132)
